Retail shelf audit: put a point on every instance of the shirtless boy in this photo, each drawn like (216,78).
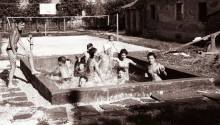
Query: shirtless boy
(12,51)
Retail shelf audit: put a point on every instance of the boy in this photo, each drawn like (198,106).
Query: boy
(63,71)
(12,48)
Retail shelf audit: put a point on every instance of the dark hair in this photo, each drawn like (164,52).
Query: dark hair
(19,21)
(121,52)
(92,52)
(151,54)
(89,46)
(62,59)
(110,36)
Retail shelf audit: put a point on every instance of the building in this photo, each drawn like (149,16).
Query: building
(172,19)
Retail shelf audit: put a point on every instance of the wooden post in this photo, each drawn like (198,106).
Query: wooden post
(64,24)
(108,20)
(117,27)
(212,46)
(45,28)
(36,25)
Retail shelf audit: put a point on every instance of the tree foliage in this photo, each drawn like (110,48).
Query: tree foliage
(7,9)
(114,6)
(71,7)
(65,8)
(33,8)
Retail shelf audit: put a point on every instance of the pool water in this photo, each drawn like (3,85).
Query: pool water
(76,82)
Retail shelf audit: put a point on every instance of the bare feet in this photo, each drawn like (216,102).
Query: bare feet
(11,85)
(35,73)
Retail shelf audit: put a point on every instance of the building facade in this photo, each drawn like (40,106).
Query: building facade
(172,19)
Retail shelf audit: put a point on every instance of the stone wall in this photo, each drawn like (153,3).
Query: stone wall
(213,24)
(165,24)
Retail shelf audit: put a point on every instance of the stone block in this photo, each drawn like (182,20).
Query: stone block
(18,104)
(87,110)
(114,110)
(176,95)
(5,89)
(128,102)
(13,94)
(57,115)
(16,99)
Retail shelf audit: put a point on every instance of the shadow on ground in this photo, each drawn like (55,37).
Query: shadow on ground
(201,111)
(4,75)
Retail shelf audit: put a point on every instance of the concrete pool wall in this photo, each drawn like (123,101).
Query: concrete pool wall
(177,81)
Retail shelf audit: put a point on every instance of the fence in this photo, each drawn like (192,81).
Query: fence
(60,24)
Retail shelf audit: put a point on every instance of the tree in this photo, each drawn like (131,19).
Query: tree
(33,8)
(114,6)
(99,8)
(9,8)
(71,7)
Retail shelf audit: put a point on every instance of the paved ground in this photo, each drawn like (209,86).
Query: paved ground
(23,105)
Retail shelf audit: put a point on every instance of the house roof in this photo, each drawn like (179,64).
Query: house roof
(129,5)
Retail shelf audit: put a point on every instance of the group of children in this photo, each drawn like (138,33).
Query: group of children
(92,67)
(100,68)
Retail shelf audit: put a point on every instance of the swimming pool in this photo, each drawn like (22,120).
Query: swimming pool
(46,58)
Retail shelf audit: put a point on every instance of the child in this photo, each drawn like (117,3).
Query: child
(121,75)
(79,67)
(155,69)
(62,70)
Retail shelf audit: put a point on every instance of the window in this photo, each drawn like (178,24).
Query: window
(202,11)
(153,12)
(179,11)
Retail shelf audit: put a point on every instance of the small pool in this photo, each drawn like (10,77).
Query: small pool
(136,74)
(48,49)
(137,87)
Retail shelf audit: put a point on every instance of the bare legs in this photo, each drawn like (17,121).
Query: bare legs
(12,59)
(30,59)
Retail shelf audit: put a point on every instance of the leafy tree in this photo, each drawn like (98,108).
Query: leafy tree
(9,8)
(89,8)
(71,7)
(114,6)
(33,8)
(99,8)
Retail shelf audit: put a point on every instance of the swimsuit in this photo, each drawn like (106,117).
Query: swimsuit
(11,49)
(8,49)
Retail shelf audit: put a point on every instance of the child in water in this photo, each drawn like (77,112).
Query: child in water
(121,76)
(63,70)
(155,69)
